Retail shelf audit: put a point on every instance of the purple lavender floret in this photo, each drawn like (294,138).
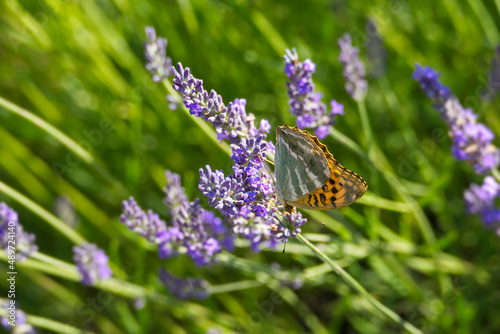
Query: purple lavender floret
(231,122)
(184,288)
(25,242)
(147,224)
(20,321)
(199,231)
(354,69)
(293,222)
(155,52)
(242,198)
(480,199)
(92,263)
(427,77)
(376,53)
(491,91)
(472,141)
(224,193)
(304,102)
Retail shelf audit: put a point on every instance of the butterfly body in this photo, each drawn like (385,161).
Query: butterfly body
(307,175)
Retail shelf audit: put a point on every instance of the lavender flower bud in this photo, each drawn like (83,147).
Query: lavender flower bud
(147,224)
(155,52)
(472,141)
(304,102)
(376,53)
(493,77)
(24,242)
(92,263)
(480,199)
(354,69)
(293,222)
(184,288)
(20,327)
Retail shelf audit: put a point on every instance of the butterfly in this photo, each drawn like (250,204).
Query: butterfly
(307,175)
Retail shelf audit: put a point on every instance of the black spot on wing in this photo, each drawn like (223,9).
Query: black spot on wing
(322,199)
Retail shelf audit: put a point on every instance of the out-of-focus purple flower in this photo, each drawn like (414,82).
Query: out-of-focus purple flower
(376,52)
(155,51)
(65,210)
(428,79)
(354,69)
(173,104)
(480,199)
(16,318)
(493,87)
(147,224)
(472,141)
(304,102)
(184,288)
(24,242)
(92,263)
(175,199)
(289,279)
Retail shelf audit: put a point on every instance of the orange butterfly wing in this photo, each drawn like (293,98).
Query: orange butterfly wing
(342,189)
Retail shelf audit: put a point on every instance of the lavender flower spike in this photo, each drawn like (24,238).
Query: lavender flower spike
(472,141)
(354,69)
(491,91)
(147,224)
(231,122)
(92,263)
(9,223)
(427,77)
(293,223)
(480,199)
(199,231)
(19,326)
(189,288)
(155,52)
(304,102)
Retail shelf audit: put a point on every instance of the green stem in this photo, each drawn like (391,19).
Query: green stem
(42,213)
(496,174)
(235,286)
(49,324)
(366,126)
(64,140)
(359,288)
(68,271)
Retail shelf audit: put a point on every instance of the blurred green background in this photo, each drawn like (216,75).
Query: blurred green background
(79,66)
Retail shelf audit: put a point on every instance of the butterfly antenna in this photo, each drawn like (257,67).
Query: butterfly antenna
(269,161)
